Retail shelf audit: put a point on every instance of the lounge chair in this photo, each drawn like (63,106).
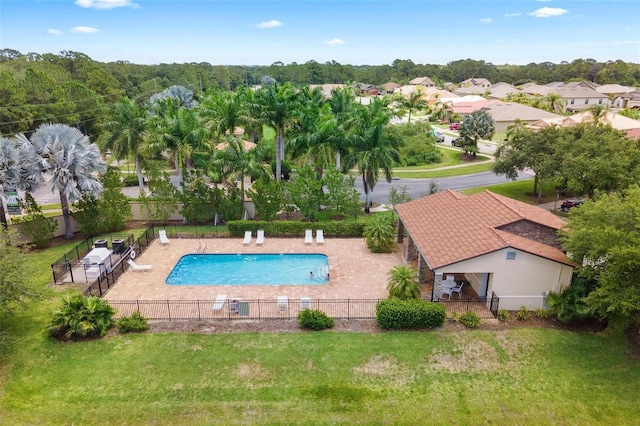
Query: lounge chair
(139,268)
(219,303)
(260,237)
(305,303)
(308,236)
(247,238)
(319,236)
(162,234)
(282,303)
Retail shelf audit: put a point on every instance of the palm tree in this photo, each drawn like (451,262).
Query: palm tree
(414,102)
(403,282)
(598,114)
(222,112)
(16,168)
(235,162)
(278,104)
(373,147)
(72,160)
(554,102)
(124,133)
(515,129)
(342,104)
(478,125)
(379,232)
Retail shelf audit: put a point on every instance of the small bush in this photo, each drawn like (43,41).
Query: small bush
(81,317)
(314,319)
(542,313)
(470,319)
(409,314)
(136,323)
(523,314)
(503,315)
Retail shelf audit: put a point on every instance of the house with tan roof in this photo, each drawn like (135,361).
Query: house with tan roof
(477,82)
(503,248)
(390,87)
(629,100)
(423,81)
(580,97)
(505,114)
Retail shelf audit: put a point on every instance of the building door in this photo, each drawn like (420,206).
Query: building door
(484,284)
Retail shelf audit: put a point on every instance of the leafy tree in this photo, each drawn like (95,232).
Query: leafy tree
(379,233)
(81,316)
(305,190)
(200,203)
(373,147)
(15,273)
(403,282)
(68,156)
(603,238)
(115,210)
(38,228)
(398,196)
(477,125)
(342,194)
(267,195)
(161,203)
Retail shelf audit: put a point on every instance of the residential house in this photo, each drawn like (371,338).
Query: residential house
(505,114)
(611,118)
(390,87)
(614,90)
(327,89)
(498,245)
(502,90)
(580,97)
(468,104)
(477,82)
(366,89)
(423,81)
(629,100)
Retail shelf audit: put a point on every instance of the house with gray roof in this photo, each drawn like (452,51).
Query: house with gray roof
(423,81)
(477,82)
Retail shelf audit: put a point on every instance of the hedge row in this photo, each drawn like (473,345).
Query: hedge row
(237,228)
(409,314)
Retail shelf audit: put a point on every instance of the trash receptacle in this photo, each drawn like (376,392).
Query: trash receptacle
(117,246)
(101,243)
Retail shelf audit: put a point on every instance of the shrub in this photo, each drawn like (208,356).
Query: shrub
(470,319)
(379,233)
(541,313)
(129,179)
(35,226)
(503,315)
(135,323)
(314,319)
(409,314)
(570,305)
(81,316)
(523,314)
(294,228)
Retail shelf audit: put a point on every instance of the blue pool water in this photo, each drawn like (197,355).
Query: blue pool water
(249,269)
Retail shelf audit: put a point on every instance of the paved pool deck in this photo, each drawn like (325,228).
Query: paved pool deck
(355,272)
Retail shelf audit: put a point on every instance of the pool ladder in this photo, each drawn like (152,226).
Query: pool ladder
(202,247)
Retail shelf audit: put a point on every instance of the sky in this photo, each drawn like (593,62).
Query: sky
(355,32)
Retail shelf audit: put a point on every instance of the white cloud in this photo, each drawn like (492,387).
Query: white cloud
(486,20)
(84,30)
(513,15)
(105,4)
(545,1)
(53,31)
(269,24)
(547,12)
(335,41)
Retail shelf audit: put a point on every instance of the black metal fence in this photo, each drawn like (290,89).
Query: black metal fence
(236,309)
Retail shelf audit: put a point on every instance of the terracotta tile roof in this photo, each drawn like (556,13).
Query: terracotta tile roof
(449,227)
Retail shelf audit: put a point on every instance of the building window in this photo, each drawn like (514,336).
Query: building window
(600,101)
(572,101)
(586,101)
(511,255)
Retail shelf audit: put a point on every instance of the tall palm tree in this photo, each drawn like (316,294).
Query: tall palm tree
(373,147)
(278,104)
(16,168)
(342,103)
(554,102)
(67,155)
(124,132)
(413,102)
(403,282)
(598,114)
(515,129)
(221,112)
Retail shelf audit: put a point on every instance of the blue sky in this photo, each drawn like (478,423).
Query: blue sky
(350,32)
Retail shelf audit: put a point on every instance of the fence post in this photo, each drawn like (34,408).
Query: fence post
(168,310)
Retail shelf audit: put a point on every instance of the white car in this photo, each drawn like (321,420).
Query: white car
(438,135)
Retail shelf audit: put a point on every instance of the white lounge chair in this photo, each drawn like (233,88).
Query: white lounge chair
(308,236)
(219,303)
(260,237)
(305,303)
(247,238)
(319,236)
(162,234)
(282,303)
(139,268)
(458,289)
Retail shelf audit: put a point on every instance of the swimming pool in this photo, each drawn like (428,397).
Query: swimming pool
(250,269)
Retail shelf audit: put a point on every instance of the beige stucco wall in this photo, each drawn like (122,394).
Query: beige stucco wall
(523,281)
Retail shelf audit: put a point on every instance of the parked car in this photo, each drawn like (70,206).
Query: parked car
(454,126)
(456,142)
(569,204)
(438,135)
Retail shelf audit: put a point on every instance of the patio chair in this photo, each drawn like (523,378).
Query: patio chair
(448,291)
(308,236)
(458,289)
(139,268)
(260,237)
(247,238)
(319,236)
(162,234)
(450,277)
(305,303)
(219,303)
(282,303)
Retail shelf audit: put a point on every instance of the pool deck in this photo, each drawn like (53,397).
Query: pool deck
(355,272)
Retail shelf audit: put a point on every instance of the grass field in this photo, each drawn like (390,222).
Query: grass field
(521,190)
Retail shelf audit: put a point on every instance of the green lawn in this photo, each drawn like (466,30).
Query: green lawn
(521,190)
